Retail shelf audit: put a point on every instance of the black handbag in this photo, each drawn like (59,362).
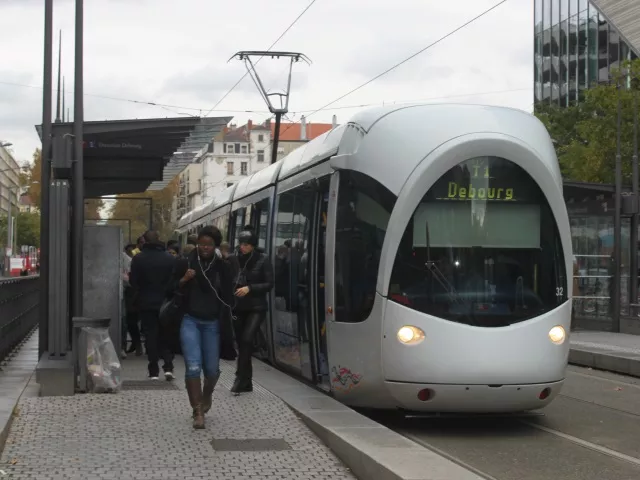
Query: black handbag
(171,310)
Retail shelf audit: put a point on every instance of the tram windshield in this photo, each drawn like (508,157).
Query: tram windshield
(482,248)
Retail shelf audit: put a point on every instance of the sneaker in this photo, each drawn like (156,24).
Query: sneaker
(168,376)
(151,377)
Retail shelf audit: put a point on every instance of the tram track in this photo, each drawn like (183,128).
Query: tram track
(587,433)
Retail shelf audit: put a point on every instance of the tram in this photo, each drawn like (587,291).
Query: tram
(420,256)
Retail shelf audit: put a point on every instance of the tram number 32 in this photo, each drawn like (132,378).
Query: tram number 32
(559,291)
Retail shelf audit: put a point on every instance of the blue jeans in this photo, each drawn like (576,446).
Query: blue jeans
(200,341)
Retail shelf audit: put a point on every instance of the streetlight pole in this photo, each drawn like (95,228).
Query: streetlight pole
(77,202)
(617,221)
(10,232)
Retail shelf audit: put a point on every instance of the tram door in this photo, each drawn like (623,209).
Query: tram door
(330,274)
(320,327)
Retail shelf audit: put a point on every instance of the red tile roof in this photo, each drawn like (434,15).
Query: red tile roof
(290,132)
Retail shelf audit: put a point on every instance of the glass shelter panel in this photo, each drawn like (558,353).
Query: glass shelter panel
(482,248)
(592,239)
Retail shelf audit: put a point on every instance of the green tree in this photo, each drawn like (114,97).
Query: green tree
(585,134)
(31,177)
(28,229)
(138,211)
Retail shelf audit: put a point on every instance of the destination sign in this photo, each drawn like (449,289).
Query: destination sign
(488,179)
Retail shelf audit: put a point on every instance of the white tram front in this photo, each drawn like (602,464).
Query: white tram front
(421,257)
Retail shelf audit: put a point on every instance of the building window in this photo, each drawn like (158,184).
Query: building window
(229,148)
(243,168)
(260,156)
(261,138)
(244,149)
(229,168)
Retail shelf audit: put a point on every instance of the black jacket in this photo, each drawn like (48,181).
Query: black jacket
(221,277)
(253,271)
(151,274)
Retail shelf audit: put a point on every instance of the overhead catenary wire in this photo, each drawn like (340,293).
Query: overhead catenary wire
(266,112)
(407,59)
(258,61)
(139,102)
(310,112)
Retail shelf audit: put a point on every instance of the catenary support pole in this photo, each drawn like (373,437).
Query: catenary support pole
(78,171)
(617,224)
(276,138)
(45,177)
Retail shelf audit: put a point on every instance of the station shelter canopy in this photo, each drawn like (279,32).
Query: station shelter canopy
(132,156)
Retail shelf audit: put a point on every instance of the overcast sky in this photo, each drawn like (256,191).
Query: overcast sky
(175,53)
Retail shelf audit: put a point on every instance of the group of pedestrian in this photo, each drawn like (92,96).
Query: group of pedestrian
(222,303)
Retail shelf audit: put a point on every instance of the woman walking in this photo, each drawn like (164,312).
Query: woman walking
(253,284)
(205,281)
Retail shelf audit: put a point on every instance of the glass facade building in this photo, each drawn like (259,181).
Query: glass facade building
(575,47)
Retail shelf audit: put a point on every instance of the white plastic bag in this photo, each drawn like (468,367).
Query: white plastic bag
(103,366)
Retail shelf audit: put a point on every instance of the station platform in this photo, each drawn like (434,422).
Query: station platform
(614,352)
(283,430)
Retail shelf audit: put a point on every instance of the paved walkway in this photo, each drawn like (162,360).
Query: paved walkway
(147,434)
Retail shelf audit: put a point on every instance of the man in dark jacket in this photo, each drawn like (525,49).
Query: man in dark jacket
(151,274)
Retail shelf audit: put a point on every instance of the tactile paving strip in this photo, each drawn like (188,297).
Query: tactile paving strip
(148,385)
(249,444)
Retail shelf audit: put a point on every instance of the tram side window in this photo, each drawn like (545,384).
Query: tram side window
(364,208)
(238,216)
(260,218)
(222,222)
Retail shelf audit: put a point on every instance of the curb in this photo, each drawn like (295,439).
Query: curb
(625,364)
(370,450)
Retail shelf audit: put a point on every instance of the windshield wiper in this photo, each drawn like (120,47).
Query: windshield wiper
(438,275)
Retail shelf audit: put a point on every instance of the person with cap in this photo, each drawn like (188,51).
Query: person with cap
(253,283)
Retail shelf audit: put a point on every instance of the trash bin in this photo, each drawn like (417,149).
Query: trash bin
(79,347)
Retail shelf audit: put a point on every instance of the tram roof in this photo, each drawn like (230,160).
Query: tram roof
(373,138)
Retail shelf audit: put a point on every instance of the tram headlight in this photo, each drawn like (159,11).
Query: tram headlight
(557,335)
(410,335)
